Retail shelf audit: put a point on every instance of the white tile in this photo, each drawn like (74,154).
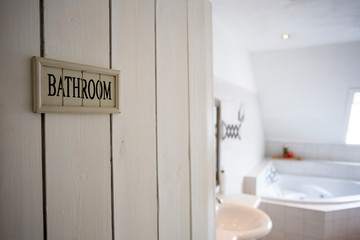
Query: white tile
(294,226)
(329,216)
(272,149)
(309,151)
(278,223)
(275,210)
(314,229)
(296,212)
(340,152)
(311,168)
(351,154)
(355,212)
(276,236)
(298,149)
(329,230)
(263,206)
(295,148)
(353,226)
(325,169)
(289,167)
(353,237)
(337,153)
(338,238)
(312,215)
(296,237)
(340,214)
(324,152)
(339,228)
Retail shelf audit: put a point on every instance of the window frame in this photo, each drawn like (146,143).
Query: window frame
(349,103)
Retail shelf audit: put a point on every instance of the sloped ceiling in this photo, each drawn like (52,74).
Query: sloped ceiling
(259,24)
(304,92)
(303,83)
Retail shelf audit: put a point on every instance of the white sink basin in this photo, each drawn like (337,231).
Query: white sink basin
(235,222)
(243,199)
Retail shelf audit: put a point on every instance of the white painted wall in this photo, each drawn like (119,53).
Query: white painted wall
(234,85)
(303,92)
(232,61)
(303,97)
(158,151)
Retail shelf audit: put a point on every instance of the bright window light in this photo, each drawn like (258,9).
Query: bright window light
(353,131)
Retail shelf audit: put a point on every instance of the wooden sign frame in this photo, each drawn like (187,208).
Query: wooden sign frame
(64,87)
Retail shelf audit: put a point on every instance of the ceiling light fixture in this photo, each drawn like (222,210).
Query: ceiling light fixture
(285,36)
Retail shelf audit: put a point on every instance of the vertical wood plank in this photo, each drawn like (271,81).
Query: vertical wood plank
(78,170)
(20,129)
(173,119)
(134,130)
(201,123)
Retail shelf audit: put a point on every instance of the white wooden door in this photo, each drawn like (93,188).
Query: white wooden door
(146,173)
(201,124)
(20,129)
(134,130)
(173,119)
(78,157)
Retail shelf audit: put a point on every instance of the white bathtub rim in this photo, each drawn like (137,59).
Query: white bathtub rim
(335,200)
(318,176)
(315,207)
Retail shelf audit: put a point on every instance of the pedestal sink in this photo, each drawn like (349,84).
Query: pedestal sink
(235,222)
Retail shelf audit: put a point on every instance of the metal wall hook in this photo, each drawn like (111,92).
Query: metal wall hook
(233,130)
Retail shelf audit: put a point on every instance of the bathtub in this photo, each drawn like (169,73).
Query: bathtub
(308,189)
(308,199)
(305,181)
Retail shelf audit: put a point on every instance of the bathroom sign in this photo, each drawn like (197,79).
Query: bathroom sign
(63,87)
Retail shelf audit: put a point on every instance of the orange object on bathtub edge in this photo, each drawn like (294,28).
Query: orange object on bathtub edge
(293,158)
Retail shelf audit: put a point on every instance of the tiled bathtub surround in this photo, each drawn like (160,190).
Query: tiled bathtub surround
(328,169)
(255,180)
(305,221)
(315,151)
(294,223)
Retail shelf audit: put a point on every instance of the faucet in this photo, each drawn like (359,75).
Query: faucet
(271,175)
(218,202)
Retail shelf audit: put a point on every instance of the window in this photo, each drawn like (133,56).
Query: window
(353,131)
